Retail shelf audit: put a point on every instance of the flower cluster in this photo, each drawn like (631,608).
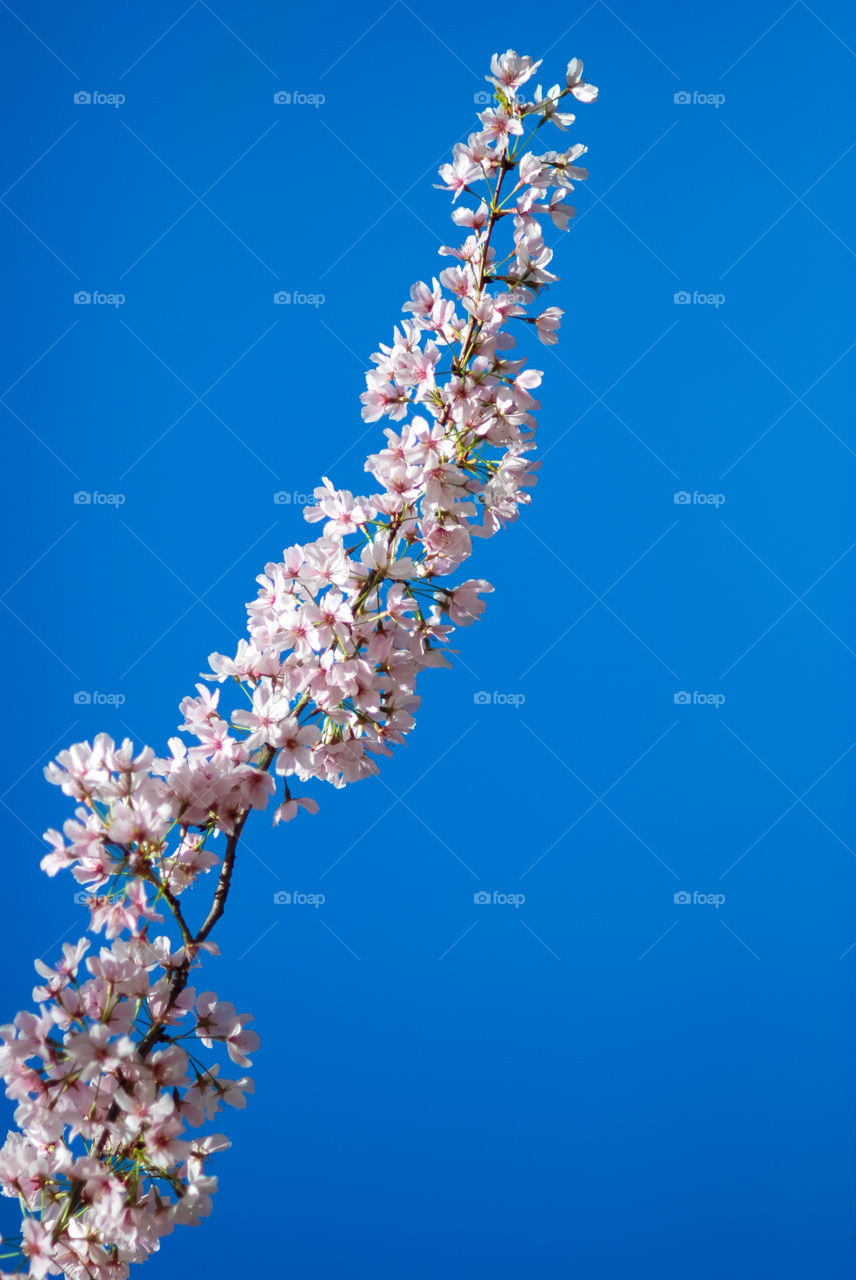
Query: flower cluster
(105,1164)
(107,1077)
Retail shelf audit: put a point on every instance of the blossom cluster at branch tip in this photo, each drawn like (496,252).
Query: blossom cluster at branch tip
(108,1077)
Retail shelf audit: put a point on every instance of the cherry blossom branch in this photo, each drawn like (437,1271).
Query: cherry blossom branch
(105,1088)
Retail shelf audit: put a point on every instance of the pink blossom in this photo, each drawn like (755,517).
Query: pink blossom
(38,1249)
(463,604)
(546,106)
(510,70)
(500,125)
(581,90)
(287,811)
(547,324)
(338,635)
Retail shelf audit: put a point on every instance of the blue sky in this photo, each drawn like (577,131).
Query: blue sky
(601,1080)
